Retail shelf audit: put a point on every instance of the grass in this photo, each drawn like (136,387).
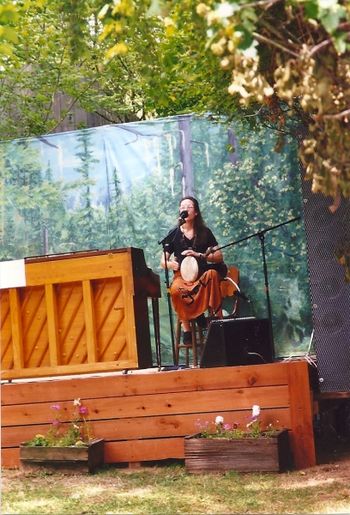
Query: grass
(169,489)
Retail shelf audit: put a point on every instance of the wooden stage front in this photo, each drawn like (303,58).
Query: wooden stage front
(144,415)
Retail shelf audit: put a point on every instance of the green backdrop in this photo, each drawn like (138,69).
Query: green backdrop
(119,185)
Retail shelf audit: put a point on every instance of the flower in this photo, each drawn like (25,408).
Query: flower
(252,429)
(255,410)
(76,433)
(83,410)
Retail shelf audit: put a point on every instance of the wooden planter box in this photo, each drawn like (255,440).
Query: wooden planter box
(68,459)
(265,454)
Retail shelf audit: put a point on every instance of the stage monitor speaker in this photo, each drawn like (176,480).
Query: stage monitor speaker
(237,341)
(328,235)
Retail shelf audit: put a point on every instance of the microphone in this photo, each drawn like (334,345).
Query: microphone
(182,217)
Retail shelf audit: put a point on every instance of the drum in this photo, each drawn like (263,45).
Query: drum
(189,269)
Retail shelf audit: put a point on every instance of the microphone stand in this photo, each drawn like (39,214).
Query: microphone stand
(172,234)
(261,236)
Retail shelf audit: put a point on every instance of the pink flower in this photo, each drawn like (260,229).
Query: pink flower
(227,427)
(56,407)
(83,410)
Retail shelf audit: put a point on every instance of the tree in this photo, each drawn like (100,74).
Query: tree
(293,58)
(58,48)
(290,57)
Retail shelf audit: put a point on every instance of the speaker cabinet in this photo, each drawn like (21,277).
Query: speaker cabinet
(326,233)
(237,341)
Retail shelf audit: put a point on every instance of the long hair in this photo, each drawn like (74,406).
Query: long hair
(198,224)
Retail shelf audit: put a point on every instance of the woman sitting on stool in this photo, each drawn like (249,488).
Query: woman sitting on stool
(196,284)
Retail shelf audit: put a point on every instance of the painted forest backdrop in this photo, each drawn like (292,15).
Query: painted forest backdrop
(119,185)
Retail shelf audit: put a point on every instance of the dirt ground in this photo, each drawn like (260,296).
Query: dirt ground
(333,463)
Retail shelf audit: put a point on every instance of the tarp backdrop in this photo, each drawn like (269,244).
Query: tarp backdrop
(120,185)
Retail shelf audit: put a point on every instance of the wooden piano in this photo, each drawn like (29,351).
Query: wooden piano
(78,313)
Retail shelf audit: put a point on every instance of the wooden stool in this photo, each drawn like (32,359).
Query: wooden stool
(196,347)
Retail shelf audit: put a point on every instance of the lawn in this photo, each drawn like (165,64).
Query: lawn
(169,489)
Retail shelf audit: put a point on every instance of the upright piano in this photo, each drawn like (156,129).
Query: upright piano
(81,312)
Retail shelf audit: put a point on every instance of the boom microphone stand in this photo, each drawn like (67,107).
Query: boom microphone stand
(261,236)
(172,235)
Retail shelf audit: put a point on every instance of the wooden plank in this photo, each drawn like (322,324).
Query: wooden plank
(52,325)
(16,328)
(302,439)
(144,450)
(179,425)
(90,322)
(35,339)
(145,382)
(159,404)
(14,436)
(150,427)
(80,269)
(5,331)
(10,458)
(83,368)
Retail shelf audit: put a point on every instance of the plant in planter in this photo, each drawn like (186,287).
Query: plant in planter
(221,447)
(65,446)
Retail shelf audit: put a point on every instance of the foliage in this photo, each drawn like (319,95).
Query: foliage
(292,58)
(253,429)
(9,15)
(58,52)
(78,433)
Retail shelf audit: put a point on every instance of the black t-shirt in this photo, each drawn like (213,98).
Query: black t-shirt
(177,243)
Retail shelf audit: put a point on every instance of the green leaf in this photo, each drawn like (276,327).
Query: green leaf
(8,34)
(8,13)
(246,38)
(311,9)
(340,42)
(330,18)
(6,49)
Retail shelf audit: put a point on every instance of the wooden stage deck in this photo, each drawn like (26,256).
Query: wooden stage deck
(144,415)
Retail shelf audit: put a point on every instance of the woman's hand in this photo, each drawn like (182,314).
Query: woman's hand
(173,265)
(213,255)
(191,252)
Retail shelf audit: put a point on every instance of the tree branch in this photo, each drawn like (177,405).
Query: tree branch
(261,3)
(318,47)
(337,116)
(263,39)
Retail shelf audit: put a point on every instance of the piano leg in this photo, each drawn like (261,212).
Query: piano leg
(155,311)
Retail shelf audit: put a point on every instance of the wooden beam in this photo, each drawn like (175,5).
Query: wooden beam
(150,381)
(144,450)
(301,413)
(84,368)
(16,328)
(90,322)
(52,324)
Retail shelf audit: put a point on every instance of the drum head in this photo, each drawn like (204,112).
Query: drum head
(189,269)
